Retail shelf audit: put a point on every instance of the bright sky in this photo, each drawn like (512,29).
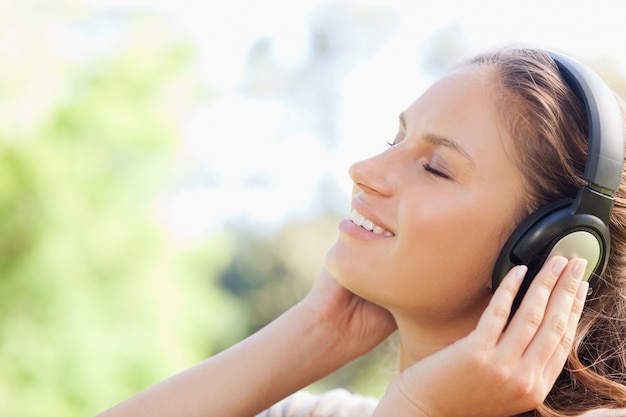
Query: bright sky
(250,142)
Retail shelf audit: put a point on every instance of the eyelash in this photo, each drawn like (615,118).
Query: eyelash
(434,171)
(428,168)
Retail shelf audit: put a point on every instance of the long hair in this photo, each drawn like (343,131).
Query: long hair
(549,129)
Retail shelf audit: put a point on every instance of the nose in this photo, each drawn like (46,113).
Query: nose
(373,175)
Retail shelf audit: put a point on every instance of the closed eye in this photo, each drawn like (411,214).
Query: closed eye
(428,168)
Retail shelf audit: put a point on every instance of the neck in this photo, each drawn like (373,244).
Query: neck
(420,338)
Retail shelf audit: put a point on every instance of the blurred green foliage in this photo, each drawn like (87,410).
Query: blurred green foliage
(96,302)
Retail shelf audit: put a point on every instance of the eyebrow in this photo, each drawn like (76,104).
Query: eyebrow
(438,140)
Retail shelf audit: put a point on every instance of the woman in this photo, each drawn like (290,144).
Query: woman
(475,154)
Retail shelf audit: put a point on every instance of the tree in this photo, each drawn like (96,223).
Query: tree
(95,303)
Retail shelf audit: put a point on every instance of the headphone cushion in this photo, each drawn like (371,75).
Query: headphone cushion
(554,229)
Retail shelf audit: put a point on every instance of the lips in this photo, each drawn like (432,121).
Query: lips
(360,220)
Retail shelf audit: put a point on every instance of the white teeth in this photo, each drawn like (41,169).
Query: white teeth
(379,230)
(357,218)
(360,220)
(368,224)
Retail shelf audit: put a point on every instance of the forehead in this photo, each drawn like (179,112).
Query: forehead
(462,107)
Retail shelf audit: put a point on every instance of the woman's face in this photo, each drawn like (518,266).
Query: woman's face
(441,202)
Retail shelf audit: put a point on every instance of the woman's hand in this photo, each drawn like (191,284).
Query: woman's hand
(499,370)
(358,325)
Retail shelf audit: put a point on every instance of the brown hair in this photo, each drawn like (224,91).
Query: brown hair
(549,128)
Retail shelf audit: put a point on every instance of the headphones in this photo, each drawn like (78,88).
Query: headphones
(576,227)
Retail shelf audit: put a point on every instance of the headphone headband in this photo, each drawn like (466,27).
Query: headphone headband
(605,159)
(575,227)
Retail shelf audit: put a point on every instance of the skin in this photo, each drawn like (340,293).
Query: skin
(434,273)
(430,279)
(500,368)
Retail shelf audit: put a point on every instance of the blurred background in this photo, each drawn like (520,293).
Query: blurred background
(172,172)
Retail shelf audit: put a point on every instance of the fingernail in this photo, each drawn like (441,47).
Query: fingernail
(558,264)
(521,272)
(579,268)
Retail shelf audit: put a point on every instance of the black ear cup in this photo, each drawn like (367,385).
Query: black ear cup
(555,229)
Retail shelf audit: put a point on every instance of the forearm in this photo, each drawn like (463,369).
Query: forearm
(285,356)
(398,402)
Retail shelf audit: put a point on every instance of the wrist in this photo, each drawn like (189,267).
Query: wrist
(349,325)
(321,337)
(400,402)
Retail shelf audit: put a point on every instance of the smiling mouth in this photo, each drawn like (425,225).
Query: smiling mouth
(360,220)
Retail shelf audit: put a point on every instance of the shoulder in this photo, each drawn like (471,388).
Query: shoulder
(335,403)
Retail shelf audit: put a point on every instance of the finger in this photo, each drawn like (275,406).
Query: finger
(495,317)
(556,362)
(528,318)
(558,314)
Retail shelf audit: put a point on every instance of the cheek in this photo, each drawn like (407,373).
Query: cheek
(458,241)
(486,236)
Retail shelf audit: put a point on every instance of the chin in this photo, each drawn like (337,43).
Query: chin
(354,274)
(335,262)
